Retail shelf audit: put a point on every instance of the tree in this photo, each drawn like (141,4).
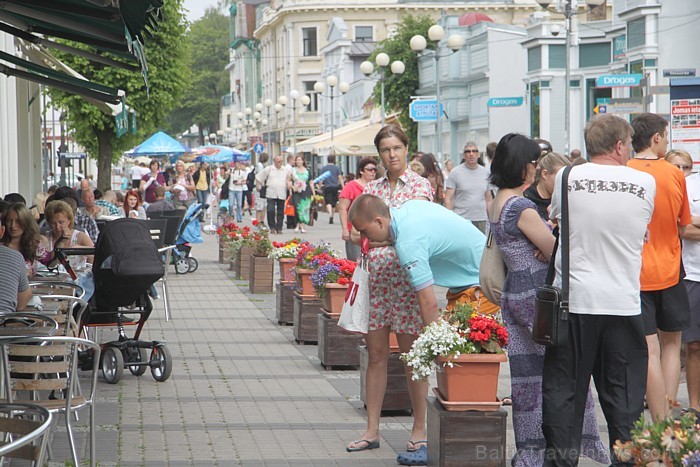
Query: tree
(208,55)
(95,130)
(399,89)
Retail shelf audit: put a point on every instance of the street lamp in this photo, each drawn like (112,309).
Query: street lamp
(418,44)
(332,82)
(382,59)
(568,9)
(266,122)
(294,95)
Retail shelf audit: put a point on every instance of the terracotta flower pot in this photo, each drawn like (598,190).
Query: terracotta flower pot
(304,284)
(335,297)
(473,378)
(286,267)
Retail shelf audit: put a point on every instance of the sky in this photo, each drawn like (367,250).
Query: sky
(196,8)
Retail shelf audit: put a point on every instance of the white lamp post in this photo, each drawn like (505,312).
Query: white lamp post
(294,95)
(418,44)
(266,122)
(568,9)
(382,59)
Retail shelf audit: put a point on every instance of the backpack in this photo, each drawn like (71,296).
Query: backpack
(250,180)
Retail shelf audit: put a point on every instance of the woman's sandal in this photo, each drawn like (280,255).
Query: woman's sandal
(367,446)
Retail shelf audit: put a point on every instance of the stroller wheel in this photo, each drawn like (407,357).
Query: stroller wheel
(161,363)
(137,355)
(112,365)
(194,264)
(182,266)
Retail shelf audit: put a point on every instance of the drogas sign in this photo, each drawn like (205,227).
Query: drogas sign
(618,81)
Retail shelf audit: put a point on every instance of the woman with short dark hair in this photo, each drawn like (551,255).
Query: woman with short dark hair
(525,242)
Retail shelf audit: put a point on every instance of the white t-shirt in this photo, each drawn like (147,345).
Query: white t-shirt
(137,172)
(238,178)
(470,186)
(691,248)
(609,210)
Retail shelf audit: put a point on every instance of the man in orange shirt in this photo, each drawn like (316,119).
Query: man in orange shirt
(665,307)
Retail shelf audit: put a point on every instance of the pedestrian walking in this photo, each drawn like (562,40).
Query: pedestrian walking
(609,207)
(331,186)
(467,188)
(366,172)
(275,179)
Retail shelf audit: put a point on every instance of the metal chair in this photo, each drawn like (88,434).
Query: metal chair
(24,429)
(34,358)
(27,324)
(158,228)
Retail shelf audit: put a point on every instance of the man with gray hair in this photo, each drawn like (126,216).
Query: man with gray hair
(610,206)
(467,190)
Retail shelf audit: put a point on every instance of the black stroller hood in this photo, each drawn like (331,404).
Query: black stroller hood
(126,264)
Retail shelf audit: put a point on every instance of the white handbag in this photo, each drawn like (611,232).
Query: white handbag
(355,314)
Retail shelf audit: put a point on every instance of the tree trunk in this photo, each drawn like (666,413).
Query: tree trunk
(104,160)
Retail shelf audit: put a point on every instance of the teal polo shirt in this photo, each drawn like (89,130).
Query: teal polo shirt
(436,246)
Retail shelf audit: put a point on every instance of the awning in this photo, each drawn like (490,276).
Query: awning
(116,27)
(354,139)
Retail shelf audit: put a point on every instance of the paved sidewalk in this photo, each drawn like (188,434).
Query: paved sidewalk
(241,392)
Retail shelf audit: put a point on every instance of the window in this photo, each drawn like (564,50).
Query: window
(363,34)
(557,56)
(534,58)
(535,110)
(636,32)
(313,95)
(310,47)
(590,55)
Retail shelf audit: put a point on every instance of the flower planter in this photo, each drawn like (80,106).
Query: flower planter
(285,303)
(396,396)
(287,269)
(306,313)
(304,285)
(243,263)
(473,378)
(224,251)
(336,346)
(262,272)
(335,297)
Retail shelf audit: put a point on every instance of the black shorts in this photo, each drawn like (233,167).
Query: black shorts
(135,184)
(666,310)
(330,195)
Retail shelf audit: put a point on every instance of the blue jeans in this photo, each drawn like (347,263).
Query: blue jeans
(235,198)
(202,199)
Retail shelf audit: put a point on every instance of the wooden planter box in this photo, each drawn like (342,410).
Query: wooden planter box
(304,285)
(224,252)
(396,396)
(337,347)
(286,266)
(285,303)
(306,313)
(334,298)
(243,263)
(467,438)
(262,273)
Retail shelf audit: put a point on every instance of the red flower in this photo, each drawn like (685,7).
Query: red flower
(255,223)
(343,281)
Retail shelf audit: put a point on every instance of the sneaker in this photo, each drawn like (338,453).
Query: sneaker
(331,220)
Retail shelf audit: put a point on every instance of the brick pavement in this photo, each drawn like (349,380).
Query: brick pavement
(241,392)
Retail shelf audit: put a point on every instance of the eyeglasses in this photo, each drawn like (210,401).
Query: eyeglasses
(684,167)
(370,169)
(468,151)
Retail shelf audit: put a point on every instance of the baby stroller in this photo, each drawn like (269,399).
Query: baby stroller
(126,264)
(188,233)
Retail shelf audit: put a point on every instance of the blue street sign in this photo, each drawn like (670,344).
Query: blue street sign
(602,101)
(258,148)
(505,102)
(424,110)
(617,81)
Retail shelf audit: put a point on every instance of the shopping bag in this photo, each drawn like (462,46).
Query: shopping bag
(355,314)
(289,207)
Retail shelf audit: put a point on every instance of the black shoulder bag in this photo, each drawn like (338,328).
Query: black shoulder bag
(550,327)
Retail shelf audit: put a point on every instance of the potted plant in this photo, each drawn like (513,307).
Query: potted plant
(668,442)
(227,233)
(331,282)
(466,349)
(309,258)
(285,254)
(261,277)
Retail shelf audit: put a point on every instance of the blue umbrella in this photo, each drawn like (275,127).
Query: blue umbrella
(212,153)
(160,144)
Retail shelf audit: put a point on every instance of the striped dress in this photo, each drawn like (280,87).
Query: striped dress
(525,357)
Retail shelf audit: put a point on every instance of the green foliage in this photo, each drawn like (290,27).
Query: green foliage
(208,54)
(95,130)
(399,89)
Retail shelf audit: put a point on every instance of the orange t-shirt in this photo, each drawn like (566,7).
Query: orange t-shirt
(661,256)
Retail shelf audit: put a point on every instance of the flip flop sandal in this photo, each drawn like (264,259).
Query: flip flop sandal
(417,457)
(368,445)
(508,400)
(413,445)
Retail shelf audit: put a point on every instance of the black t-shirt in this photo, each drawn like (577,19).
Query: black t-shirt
(542,204)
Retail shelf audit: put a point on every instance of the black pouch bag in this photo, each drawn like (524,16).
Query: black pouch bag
(551,324)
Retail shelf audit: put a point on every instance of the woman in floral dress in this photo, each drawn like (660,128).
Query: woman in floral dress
(302,190)
(393,304)
(525,242)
